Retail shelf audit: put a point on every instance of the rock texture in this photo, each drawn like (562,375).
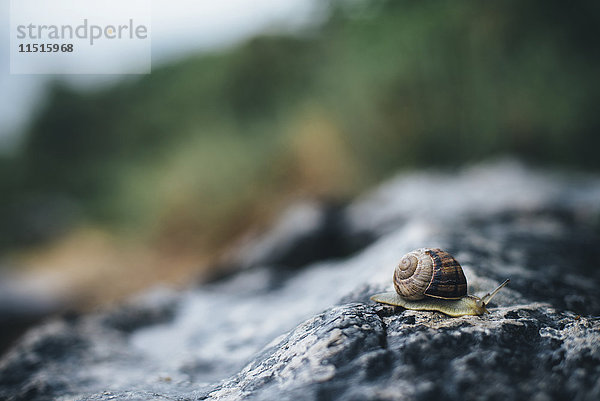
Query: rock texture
(296,322)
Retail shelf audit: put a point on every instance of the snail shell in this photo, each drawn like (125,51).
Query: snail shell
(429,272)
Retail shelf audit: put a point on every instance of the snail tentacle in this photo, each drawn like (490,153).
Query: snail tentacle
(488,297)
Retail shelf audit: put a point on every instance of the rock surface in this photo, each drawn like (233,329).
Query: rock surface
(283,330)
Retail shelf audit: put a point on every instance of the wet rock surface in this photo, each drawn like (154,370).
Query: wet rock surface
(279,330)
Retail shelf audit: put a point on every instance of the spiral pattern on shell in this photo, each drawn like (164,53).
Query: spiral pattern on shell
(429,272)
(407,267)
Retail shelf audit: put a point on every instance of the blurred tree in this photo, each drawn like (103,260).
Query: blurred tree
(207,145)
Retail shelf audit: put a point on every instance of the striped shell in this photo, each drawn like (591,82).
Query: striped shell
(429,272)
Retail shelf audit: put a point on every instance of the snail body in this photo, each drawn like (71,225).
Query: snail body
(431,279)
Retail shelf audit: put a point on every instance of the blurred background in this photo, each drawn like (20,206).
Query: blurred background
(112,184)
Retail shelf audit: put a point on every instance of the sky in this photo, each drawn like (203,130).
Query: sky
(178,28)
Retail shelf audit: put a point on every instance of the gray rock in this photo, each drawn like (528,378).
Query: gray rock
(312,333)
(23,303)
(306,232)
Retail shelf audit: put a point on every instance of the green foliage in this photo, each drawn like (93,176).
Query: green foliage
(390,84)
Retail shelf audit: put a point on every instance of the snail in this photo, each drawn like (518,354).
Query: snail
(431,279)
